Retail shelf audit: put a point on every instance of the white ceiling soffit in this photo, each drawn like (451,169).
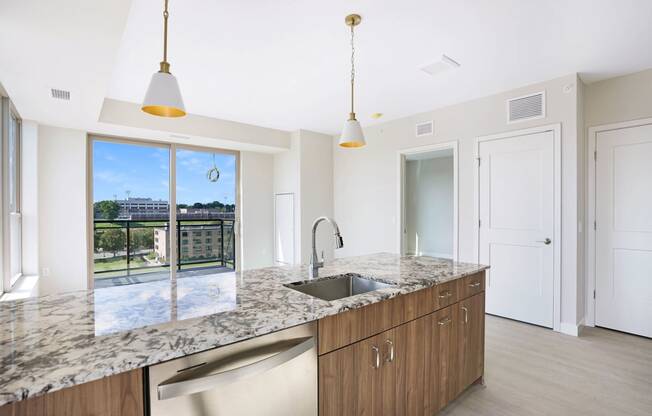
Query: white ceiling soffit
(68,45)
(285,64)
(198,130)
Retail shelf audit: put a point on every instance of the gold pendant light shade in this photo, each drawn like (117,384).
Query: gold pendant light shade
(352,135)
(163,97)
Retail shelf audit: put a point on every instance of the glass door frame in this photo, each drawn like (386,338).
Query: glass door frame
(172,148)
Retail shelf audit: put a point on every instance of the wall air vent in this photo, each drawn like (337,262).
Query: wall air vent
(528,107)
(60,94)
(424,129)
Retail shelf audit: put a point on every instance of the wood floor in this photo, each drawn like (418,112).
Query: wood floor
(535,371)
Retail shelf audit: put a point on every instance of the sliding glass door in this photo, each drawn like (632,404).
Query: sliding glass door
(131,212)
(206,210)
(161,212)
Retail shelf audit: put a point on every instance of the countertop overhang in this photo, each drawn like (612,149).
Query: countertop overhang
(57,341)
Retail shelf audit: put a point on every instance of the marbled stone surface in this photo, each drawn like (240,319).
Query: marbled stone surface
(57,341)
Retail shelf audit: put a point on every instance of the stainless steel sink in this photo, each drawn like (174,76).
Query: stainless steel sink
(338,287)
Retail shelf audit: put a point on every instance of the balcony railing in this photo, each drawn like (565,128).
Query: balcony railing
(130,247)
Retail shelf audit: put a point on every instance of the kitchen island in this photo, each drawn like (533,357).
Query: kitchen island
(59,341)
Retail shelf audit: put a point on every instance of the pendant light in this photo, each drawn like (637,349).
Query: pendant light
(352,132)
(163,97)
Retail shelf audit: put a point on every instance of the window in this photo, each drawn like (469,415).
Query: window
(11,210)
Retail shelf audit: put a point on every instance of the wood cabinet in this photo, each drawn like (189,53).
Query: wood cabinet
(417,366)
(471,340)
(337,383)
(119,395)
(443,363)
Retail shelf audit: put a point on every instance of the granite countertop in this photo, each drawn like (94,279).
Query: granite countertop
(57,341)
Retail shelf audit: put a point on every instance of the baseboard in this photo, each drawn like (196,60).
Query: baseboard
(572,329)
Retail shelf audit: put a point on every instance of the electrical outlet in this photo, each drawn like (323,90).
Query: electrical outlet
(45,272)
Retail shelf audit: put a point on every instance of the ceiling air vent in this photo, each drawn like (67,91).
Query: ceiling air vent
(60,94)
(424,129)
(528,107)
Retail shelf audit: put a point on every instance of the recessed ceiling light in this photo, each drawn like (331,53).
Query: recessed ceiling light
(444,64)
(376,115)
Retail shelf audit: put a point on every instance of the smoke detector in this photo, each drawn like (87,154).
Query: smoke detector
(445,63)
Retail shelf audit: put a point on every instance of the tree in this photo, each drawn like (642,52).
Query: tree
(113,239)
(109,210)
(142,239)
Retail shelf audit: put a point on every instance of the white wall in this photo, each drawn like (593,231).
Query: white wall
(429,206)
(257,210)
(618,99)
(316,181)
(62,209)
(29,197)
(366,183)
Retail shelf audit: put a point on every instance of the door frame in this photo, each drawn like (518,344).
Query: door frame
(172,147)
(401,158)
(556,130)
(591,193)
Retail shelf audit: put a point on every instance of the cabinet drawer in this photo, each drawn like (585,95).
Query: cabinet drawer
(471,285)
(445,294)
(345,328)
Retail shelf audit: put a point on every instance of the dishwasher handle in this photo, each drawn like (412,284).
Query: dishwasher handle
(170,389)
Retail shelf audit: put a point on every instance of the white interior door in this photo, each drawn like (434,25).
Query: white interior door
(624,230)
(517,210)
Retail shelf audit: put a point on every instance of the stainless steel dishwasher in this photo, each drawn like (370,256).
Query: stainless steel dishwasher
(274,375)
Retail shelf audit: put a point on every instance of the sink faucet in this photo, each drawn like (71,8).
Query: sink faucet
(315,263)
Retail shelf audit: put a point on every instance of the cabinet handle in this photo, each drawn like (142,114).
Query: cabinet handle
(446,294)
(390,358)
(376,351)
(476,284)
(466,314)
(445,321)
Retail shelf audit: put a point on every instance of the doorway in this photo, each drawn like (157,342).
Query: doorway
(620,244)
(428,201)
(519,209)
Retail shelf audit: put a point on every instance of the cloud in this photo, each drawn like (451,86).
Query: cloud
(110,176)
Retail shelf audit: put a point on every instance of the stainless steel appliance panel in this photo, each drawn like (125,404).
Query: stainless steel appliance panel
(271,375)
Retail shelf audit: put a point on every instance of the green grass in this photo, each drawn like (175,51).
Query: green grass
(117,263)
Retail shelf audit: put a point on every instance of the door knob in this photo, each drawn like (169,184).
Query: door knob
(546,241)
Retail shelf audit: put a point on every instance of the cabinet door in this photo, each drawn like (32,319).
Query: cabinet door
(471,340)
(368,368)
(117,395)
(412,362)
(337,383)
(443,379)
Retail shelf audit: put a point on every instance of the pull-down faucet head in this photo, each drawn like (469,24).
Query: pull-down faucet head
(315,263)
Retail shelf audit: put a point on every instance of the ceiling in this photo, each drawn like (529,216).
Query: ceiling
(285,63)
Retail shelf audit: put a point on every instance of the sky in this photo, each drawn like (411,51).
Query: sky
(144,171)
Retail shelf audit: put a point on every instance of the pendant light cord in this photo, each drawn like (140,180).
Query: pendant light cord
(352,115)
(165,32)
